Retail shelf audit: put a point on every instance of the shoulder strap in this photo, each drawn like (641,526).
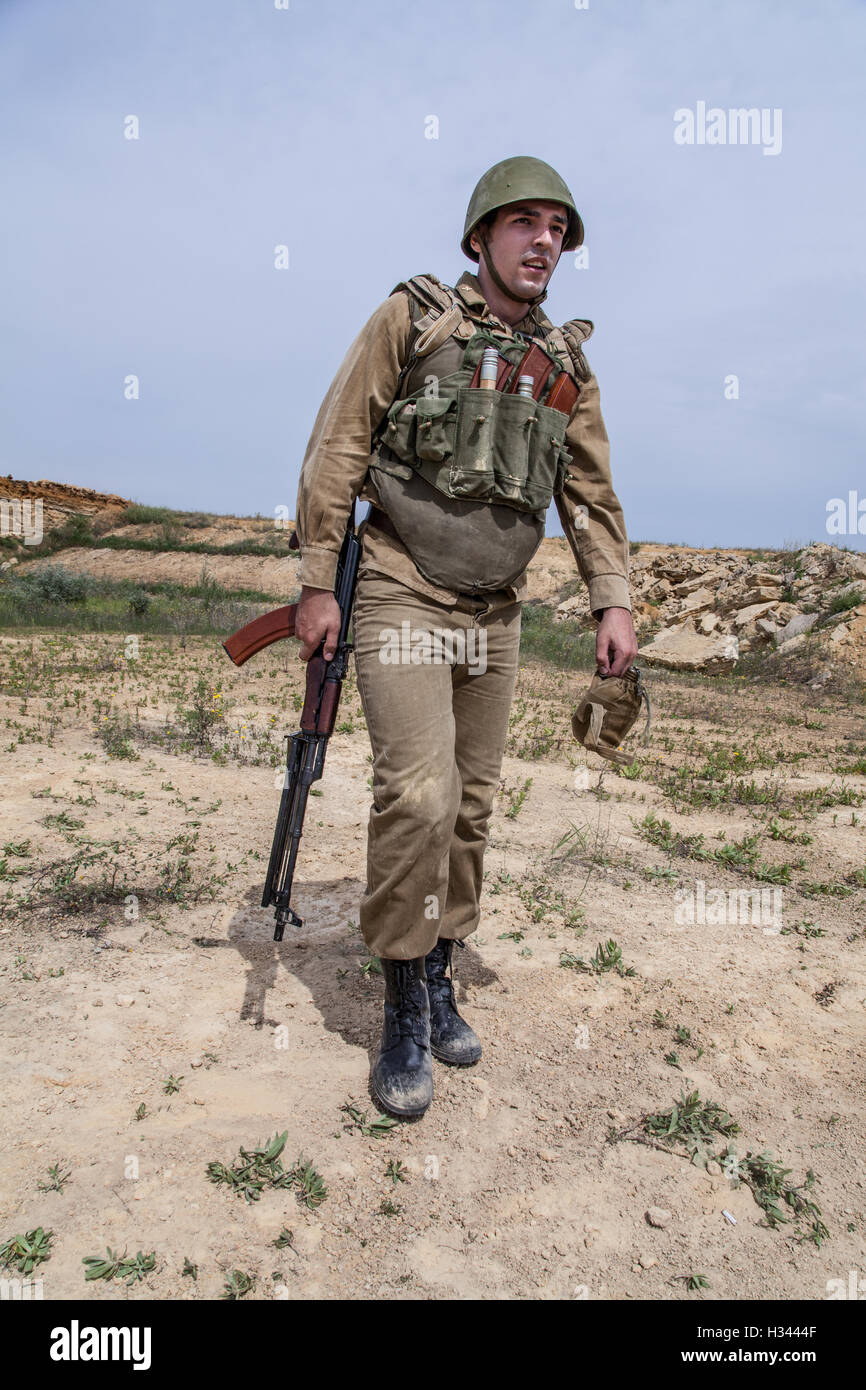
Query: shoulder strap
(575,333)
(427,290)
(437,314)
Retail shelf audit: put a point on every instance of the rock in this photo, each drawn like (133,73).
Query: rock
(700,581)
(714,1169)
(684,649)
(195,1062)
(821,679)
(707,623)
(759,593)
(575,607)
(548,1155)
(125,1001)
(700,599)
(798,625)
(749,614)
(659,591)
(647,1261)
(766,627)
(96,1003)
(657,1216)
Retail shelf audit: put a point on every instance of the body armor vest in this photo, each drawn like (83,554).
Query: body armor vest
(466,474)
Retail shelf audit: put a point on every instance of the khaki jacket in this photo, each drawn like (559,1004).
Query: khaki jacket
(335,467)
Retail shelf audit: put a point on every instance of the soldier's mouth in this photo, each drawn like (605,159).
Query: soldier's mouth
(537,266)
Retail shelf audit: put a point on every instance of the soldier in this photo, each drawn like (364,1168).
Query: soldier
(459,469)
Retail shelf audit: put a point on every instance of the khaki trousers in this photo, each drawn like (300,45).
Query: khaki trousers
(436,685)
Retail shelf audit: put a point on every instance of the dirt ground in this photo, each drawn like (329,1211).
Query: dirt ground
(133,949)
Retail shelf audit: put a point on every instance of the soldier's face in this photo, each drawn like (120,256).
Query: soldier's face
(526,242)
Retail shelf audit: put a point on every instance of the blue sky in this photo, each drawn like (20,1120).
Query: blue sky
(306,127)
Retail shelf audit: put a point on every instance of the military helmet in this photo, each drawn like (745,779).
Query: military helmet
(519,179)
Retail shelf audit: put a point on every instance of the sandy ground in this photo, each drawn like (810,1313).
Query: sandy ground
(514,1188)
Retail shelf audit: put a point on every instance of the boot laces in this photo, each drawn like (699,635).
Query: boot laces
(440,981)
(408,1011)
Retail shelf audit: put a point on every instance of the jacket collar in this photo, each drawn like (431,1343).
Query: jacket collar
(469,289)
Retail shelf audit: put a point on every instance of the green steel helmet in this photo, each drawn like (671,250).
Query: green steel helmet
(515,180)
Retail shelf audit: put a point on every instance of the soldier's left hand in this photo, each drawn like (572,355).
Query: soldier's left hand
(615,643)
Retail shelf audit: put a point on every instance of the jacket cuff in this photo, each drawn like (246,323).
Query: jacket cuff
(608,591)
(318,568)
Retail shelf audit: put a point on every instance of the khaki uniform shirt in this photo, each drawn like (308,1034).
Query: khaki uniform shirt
(335,466)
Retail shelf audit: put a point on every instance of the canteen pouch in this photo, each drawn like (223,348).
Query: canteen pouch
(608,712)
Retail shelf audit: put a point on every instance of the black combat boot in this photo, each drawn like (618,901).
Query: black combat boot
(451,1038)
(403,1074)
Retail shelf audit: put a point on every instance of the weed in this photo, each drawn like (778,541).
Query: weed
(131,1268)
(56,1180)
(255,1169)
(237,1285)
(379,1128)
(25,1252)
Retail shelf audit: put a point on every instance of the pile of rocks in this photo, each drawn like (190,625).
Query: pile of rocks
(715,605)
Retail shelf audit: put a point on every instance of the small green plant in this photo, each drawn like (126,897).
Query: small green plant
(56,1180)
(768,1181)
(131,1268)
(238,1285)
(396,1171)
(516,798)
(694,1282)
(115,732)
(171,1085)
(843,602)
(25,1252)
(378,1128)
(691,1122)
(203,714)
(608,956)
(255,1169)
(189,1270)
(139,603)
(311,1187)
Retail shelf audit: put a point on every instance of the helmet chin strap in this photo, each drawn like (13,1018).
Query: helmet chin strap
(529,299)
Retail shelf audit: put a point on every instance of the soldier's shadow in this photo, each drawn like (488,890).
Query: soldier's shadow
(328,955)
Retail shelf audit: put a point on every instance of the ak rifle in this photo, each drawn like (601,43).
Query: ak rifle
(305,755)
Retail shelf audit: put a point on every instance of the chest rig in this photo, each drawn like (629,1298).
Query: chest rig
(466,474)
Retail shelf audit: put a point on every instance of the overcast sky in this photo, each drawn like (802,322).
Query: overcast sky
(305,126)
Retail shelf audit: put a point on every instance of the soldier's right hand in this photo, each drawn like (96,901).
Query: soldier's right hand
(318,617)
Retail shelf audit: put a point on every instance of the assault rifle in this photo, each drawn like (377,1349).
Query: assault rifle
(305,755)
